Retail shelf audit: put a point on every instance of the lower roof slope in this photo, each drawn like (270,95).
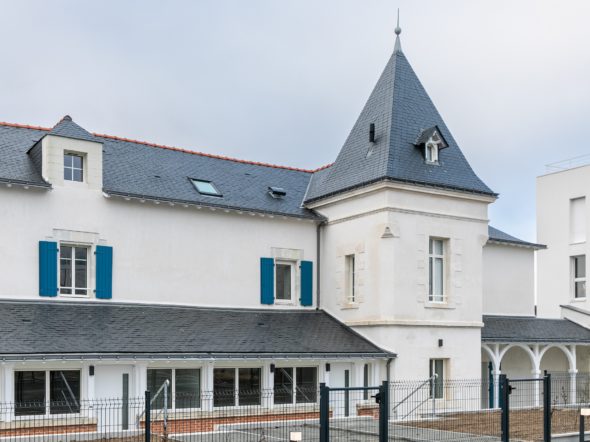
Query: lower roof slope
(55,328)
(497,236)
(532,329)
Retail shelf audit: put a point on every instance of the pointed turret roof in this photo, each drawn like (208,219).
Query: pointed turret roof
(68,129)
(401,111)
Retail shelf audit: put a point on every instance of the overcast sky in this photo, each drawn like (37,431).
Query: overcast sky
(283,81)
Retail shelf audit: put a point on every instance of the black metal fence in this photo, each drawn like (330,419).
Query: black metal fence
(433,409)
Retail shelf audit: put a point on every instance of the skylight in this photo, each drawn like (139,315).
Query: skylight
(205,187)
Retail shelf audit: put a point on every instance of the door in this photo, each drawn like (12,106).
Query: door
(114,407)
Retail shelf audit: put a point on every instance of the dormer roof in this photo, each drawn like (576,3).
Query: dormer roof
(68,129)
(402,114)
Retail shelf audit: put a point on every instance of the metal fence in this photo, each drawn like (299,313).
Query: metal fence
(432,409)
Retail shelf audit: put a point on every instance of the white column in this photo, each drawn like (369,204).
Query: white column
(268,379)
(496,374)
(140,379)
(207,387)
(8,399)
(327,374)
(537,374)
(573,386)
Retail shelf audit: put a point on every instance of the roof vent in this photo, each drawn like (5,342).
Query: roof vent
(277,192)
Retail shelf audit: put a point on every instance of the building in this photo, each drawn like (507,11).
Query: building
(132,263)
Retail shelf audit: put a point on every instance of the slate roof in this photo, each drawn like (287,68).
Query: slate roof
(401,109)
(497,236)
(138,169)
(56,328)
(532,329)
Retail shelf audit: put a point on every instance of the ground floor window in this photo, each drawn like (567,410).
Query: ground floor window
(184,390)
(366,374)
(33,388)
(437,375)
(236,386)
(295,385)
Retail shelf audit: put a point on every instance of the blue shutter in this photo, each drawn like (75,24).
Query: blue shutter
(47,268)
(104,272)
(306,283)
(267,281)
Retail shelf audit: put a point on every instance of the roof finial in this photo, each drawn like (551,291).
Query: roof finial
(398,31)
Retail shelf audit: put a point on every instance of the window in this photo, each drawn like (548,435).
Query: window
(431,153)
(32,388)
(577,220)
(73,167)
(73,270)
(366,370)
(184,390)
(579,276)
(245,383)
(205,187)
(437,378)
(436,264)
(284,288)
(295,385)
(350,283)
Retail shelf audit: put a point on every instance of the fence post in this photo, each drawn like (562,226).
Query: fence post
(384,412)
(547,407)
(582,431)
(148,417)
(505,405)
(324,413)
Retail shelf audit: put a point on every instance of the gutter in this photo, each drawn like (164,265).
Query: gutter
(185,356)
(318,263)
(25,184)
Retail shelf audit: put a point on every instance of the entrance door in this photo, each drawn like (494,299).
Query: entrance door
(113,390)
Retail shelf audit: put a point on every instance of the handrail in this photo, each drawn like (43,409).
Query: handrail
(165,385)
(429,380)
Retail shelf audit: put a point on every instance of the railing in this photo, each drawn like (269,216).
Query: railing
(431,385)
(569,163)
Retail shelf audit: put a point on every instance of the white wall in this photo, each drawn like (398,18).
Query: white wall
(162,254)
(554,192)
(388,229)
(508,280)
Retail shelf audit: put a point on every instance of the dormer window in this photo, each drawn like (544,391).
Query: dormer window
(206,187)
(432,142)
(431,153)
(73,167)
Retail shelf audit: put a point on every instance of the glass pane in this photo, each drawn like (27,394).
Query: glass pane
(29,392)
(65,273)
(81,274)
(438,382)
(283,289)
(249,393)
(188,388)
(68,174)
(81,252)
(283,387)
(580,264)
(430,246)
(64,391)
(438,277)
(430,278)
(205,187)
(80,292)
(438,247)
(580,289)
(307,380)
(68,160)
(65,252)
(155,378)
(77,161)
(224,381)
(77,175)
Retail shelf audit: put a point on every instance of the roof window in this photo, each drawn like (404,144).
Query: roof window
(205,187)
(277,192)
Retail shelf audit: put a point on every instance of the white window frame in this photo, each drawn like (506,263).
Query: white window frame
(73,288)
(351,278)
(47,413)
(441,379)
(237,387)
(172,390)
(72,168)
(575,279)
(431,152)
(432,258)
(293,266)
(294,388)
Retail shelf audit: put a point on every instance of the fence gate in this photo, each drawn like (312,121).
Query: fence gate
(526,408)
(354,413)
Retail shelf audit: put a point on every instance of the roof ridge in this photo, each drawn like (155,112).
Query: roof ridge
(176,149)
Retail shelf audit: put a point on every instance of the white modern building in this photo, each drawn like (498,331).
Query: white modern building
(127,263)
